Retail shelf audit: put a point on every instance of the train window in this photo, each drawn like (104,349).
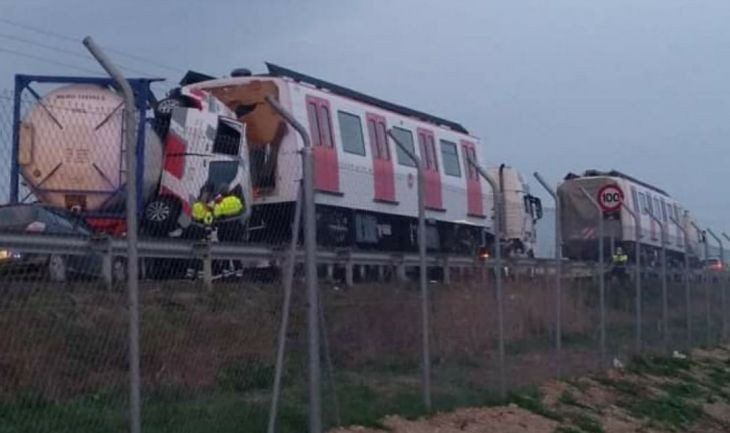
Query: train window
(351,132)
(222,173)
(425,154)
(405,137)
(382,140)
(470,152)
(450,156)
(376,132)
(314,123)
(635,197)
(656,207)
(642,203)
(664,211)
(429,150)
(325,128)
(373,139)
(649,205)
(227,138)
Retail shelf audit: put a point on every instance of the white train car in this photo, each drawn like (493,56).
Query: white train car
(579,217)
(366,185)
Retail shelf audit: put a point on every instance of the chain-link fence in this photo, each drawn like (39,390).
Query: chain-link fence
(234,298)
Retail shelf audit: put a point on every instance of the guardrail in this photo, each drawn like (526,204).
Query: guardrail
(111,248)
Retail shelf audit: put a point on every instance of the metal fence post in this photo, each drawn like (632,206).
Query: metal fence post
(637,276)
(281,343)
(724,280)
(310,267)
(665,305)
(131,210)
(601,276)
(723,315)
(422,278)
(497,269)
(706,283)
(558,276)
(687,289)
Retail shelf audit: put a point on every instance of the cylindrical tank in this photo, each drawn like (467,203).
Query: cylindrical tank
(72,152)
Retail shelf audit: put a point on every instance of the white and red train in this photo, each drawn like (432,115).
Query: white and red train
(579,217)
(366,185)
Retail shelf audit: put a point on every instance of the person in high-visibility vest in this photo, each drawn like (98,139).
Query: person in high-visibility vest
(201,211)
(619,261)
(227,204)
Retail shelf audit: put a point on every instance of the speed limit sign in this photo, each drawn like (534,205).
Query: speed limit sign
(610,198)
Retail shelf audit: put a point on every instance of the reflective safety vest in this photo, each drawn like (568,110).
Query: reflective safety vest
(228,206)
(620,259)
(201,213)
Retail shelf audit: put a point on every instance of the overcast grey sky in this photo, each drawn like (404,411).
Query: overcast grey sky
(549,85)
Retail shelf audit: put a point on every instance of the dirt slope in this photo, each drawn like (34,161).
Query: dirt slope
(652,395)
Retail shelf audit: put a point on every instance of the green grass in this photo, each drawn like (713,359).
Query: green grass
(223,412)
(667,410)
(683,390)
(620,385)
(530,399)
(587,424)
(660,366)
(567,429)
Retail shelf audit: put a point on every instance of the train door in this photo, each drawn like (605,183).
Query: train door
(474,202)
(427,146)
(383,177)
(326,169)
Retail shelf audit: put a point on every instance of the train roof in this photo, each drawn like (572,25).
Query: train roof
(279,71)
(192,77)
(616,173)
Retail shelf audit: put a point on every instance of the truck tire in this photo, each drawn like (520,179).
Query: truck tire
(160,215)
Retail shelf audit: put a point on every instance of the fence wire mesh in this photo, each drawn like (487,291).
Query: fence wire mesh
(214,274)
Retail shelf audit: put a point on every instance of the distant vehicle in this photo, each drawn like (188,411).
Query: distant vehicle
(35,218)
(204,145)
(714,265)
(579,226)
(521,211)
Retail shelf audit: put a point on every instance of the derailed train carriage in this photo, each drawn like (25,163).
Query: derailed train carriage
(579,225)
(366,185)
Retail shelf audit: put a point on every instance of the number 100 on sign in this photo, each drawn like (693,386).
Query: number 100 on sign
(610,198)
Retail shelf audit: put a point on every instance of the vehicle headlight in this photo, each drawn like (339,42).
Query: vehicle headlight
(7,255)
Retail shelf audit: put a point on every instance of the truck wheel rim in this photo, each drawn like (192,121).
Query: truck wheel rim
(167,106)
(158,212)
(57,268)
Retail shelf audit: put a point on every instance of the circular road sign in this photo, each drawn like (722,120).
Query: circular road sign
(610,198)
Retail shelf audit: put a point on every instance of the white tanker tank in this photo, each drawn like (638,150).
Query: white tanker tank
(71,150)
